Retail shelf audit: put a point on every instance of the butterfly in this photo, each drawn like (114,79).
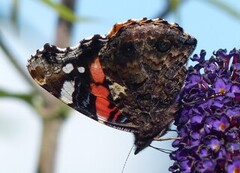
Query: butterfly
(128,79)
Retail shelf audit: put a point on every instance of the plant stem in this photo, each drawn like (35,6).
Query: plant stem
(51,129)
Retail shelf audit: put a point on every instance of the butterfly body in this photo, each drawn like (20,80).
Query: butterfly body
(128,79)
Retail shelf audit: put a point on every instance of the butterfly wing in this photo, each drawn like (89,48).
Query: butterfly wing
(74,75)
(129,79)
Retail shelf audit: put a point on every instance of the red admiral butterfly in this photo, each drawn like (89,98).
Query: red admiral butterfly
(128,79)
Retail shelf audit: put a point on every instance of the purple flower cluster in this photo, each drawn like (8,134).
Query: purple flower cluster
(208,122)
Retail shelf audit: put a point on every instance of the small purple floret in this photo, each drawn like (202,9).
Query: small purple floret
(208,122)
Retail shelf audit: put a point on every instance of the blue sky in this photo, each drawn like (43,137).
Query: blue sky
(85,145)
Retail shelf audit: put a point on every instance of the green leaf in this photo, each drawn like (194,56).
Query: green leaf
(25,97)
(226,7)
(174,4)
(59,109)
(65,12)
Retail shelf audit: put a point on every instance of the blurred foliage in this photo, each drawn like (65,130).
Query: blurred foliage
(66,13)
(225,7)
(40,104)
(14,11)
(25,97)
(63,11)
(173,6)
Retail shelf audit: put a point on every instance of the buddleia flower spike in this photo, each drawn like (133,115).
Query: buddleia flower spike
(209,118)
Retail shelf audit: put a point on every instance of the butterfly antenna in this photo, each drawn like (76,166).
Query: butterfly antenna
(161,149)
(125,163)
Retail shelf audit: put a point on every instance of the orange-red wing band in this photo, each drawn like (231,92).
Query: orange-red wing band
(97,71)
(103,106)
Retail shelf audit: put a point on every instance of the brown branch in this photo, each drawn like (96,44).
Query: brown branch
(64,28)
(51,128)
(52,125)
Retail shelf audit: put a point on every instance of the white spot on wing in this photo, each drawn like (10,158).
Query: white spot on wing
(81,69)
(67,91)
(67,68)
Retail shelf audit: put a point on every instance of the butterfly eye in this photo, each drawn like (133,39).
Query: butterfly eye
(163,45)
(127,49)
